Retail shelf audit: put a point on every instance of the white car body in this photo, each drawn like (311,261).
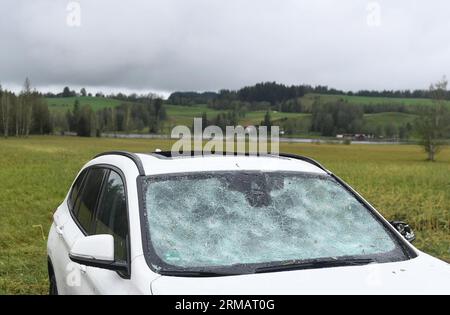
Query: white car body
(422,274)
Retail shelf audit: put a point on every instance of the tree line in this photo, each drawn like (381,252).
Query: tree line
(270,92)
(123,118)
(25,113)
(132,97)
(28,113)
(275,93)
(278,97)
(333,118)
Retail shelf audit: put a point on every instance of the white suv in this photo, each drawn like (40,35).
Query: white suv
(220,224)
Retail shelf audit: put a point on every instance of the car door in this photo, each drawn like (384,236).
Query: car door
(80,226)
(61,239)
(111,217)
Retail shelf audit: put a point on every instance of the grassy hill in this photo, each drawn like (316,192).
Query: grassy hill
(365,100)
(383,119)
(64,103)
(183,115)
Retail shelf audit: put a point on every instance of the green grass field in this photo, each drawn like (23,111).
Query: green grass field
(35,175)
(177,115)
(366,100)
(382,119)
(184,115)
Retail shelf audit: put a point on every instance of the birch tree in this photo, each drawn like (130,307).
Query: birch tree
(28,98)
(5,106)
(433,125)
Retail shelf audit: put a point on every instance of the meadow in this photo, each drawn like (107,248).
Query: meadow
(382,119)
(370,100)
(36,172)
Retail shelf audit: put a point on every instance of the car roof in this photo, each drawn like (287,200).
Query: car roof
(157,163)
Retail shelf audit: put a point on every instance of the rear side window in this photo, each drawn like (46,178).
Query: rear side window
(76,188)
(112,214)
(86,203)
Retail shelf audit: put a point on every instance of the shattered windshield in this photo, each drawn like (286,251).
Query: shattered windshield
(237,218)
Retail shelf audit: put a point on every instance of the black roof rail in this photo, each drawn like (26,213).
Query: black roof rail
(305,159)
(131,156)
(168,154)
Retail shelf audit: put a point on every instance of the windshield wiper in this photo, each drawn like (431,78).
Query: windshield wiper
(291,265)
(193,273)
(315,263)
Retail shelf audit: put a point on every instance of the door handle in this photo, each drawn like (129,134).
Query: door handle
(59,229)
(83,269)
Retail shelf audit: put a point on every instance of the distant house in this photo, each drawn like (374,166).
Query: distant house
(356,136)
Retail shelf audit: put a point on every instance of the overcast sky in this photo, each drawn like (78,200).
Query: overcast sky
(167,45)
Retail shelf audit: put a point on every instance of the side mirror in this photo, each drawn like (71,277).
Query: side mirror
(405,230)
(96,251)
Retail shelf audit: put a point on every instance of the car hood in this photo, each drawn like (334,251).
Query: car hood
(421,275)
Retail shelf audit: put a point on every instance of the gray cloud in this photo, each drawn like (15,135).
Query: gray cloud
(167,45)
